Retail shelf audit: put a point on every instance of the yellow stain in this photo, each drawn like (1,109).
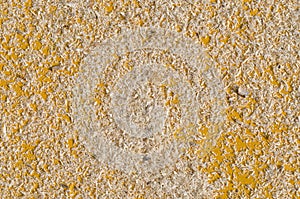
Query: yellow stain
(70,143)
(109,8)
(178,28)
(289,167)
(3,83)
(37,45)
(205,40)
(233,114)
(224,39)
(98,101)
(45,51)
(254,12)
(44,95)
(175,100)
(240,145)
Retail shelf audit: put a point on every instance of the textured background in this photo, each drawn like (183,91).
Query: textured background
(255,45)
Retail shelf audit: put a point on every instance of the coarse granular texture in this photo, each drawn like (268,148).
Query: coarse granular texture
(230,68)
(145,94)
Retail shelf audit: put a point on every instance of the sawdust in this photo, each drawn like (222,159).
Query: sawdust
(253,48)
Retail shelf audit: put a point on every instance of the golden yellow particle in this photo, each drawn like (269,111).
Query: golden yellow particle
(45,50)
(205,40)
(34,188)
(37,45)
(19,164)
(167,103)
(33,106)
(30,156)
(98,101)
(128,64)
(45,168)
(35,174)
(70,143)
(28,3)
(72,187)
(14,56)
(52,8)
(175,100)
(67,118)
(224,39)
(245,7)
(178,28)
(203,131)
(233,114)
(3,97)
(289,167)
(1,66)
(3,83)
(24,45)
(218,153)
(56,161)
(213,177)
(46,79)
(283,91)
(254,12)
(79,178)
(74,153)
(44,95)
(17,87)
(141,22)
(109,8)
(240,145)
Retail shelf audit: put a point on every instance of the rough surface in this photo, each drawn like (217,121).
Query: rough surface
(253,48)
